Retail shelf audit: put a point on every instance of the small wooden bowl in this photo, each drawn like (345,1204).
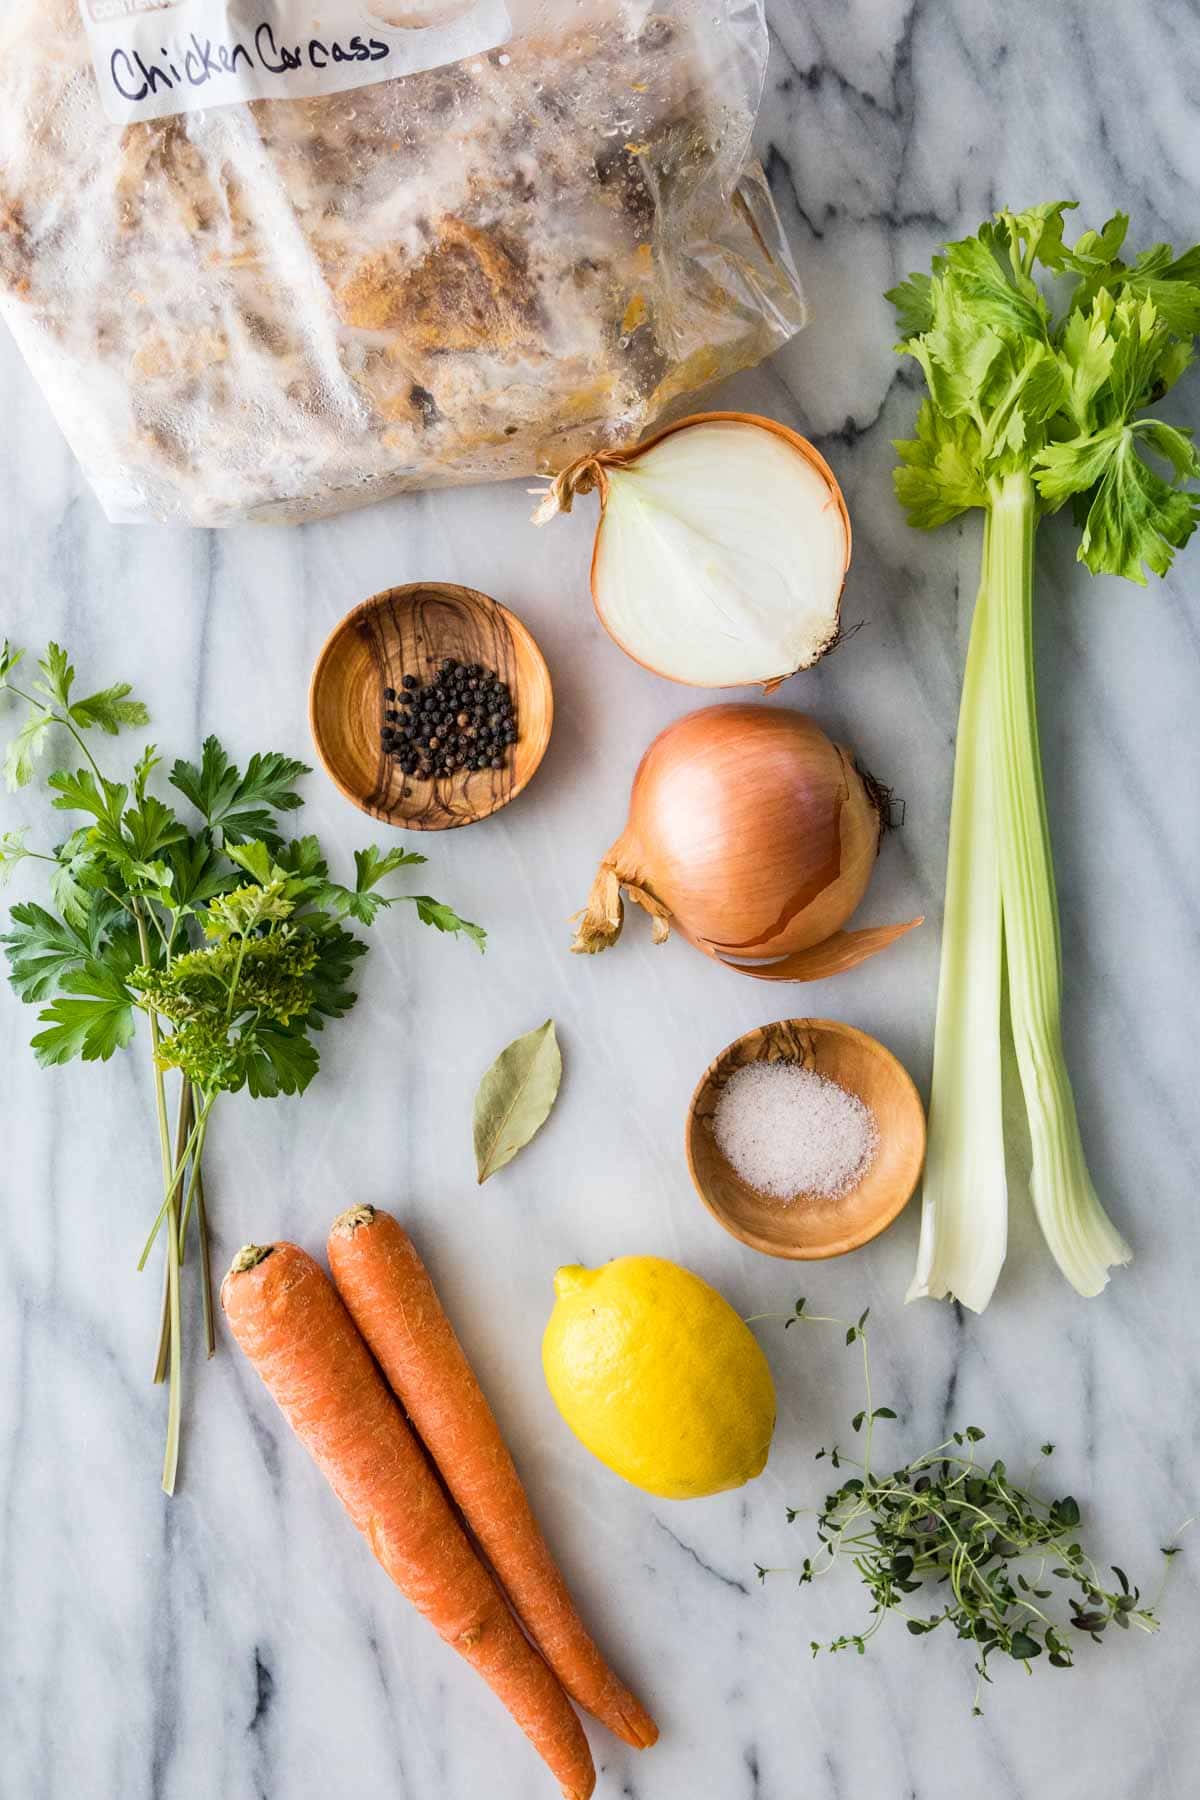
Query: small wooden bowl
(407,631)
(813,1226)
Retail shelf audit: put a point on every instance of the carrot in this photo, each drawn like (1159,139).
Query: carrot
(388,1291)
(287,1317)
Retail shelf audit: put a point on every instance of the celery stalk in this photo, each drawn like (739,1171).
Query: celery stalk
(962,1250)
(1045,365)
(1081,1238)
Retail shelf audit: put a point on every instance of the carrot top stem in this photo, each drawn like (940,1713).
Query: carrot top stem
(351,1219)
(249,1257)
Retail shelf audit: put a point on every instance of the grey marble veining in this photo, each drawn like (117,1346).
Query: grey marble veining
(240,1642)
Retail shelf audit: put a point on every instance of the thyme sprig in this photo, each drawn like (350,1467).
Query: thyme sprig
(950,1527)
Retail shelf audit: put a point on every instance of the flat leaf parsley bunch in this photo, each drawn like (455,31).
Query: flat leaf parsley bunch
(231,940)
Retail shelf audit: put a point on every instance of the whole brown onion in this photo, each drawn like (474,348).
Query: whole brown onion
(755,836)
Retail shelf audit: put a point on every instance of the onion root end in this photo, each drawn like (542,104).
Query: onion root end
(600,923)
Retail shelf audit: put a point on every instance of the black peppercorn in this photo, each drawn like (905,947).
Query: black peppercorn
(461,718)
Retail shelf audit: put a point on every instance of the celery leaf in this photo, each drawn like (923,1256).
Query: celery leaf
(1136,517)
(913,304)
(938,477)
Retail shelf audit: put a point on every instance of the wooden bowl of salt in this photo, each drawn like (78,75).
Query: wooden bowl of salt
(824,1120)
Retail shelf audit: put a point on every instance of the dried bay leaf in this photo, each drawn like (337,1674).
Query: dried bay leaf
(515,1098)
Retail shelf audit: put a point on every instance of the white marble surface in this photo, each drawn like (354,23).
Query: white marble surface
(240,1642)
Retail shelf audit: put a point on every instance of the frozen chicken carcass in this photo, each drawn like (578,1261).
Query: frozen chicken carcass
(278,308)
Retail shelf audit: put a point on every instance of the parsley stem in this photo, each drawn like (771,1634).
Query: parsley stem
(79,739)
(175,1348)
(193,1184)
(164,1332)
(122,901)
(210,1334)
(236,978)
(174,1177)
(182,1128)
(175,1387)
(158,926)
(160,1095)
(59,719)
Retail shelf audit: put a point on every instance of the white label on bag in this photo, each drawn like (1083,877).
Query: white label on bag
(157,57)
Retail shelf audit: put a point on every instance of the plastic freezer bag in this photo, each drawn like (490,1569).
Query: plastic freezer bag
(273,258)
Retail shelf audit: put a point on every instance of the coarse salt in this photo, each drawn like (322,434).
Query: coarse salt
(788,1131)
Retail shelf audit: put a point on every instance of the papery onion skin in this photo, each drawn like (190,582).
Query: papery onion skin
(754,836)
(591,471)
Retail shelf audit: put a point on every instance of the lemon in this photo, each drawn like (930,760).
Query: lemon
(658,1377)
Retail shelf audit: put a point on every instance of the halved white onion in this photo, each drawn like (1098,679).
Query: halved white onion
(721,551)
